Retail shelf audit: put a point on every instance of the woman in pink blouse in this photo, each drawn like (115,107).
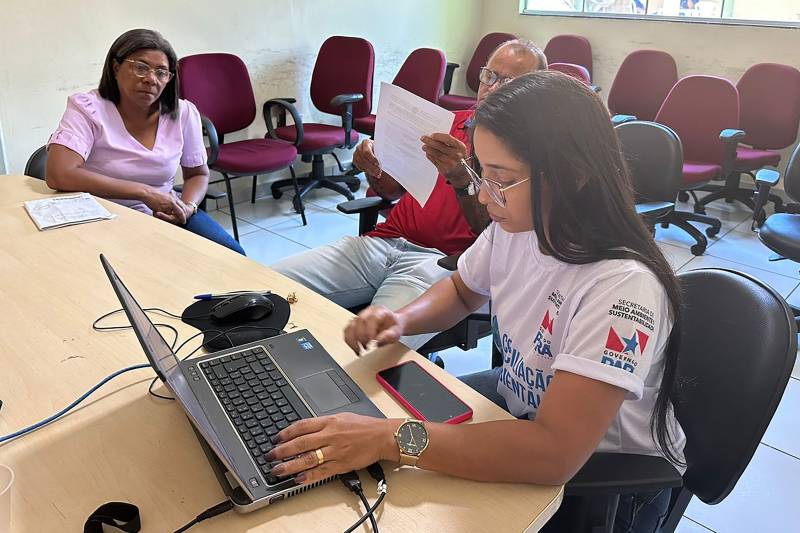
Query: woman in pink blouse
(125,140)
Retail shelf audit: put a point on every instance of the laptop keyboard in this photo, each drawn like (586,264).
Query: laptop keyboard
(257,399)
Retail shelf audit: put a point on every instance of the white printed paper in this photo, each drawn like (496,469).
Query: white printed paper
(60,211)
(402,118)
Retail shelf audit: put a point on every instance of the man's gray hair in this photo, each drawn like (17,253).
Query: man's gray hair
(525,45)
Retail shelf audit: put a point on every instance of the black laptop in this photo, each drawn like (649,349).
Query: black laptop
(238,398)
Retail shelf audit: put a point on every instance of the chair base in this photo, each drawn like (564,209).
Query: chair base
(317,179)
(732,192)
(682,219)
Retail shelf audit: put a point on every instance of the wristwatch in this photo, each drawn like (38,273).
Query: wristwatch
(412,439)
(469,190)
(193,206)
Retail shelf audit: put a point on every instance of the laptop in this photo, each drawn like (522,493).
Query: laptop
(238,398)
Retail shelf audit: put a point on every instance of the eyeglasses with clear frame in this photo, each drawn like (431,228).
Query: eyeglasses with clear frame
(489,77)
(142,70)
(496,190)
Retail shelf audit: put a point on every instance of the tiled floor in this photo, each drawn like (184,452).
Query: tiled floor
(764,500)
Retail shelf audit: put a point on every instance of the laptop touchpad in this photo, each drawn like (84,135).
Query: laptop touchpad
(323,391)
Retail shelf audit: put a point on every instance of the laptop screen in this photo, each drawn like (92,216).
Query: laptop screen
(164,361)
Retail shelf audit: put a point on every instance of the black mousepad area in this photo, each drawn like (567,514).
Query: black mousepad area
(236,332)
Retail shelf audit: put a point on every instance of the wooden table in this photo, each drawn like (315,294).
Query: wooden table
(124,445)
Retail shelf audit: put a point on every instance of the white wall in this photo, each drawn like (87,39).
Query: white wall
(717,50)
(53,49)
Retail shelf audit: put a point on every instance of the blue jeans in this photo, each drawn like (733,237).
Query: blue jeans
(636,513)
(202,224)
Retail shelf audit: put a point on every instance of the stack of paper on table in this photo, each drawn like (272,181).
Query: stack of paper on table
(60,211)
(402,118)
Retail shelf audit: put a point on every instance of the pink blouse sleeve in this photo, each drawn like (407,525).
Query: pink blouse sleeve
(76,129)
(194,151)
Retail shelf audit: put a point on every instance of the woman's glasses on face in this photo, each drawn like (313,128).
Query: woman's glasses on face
(489,77)
(142,70)
(496,190)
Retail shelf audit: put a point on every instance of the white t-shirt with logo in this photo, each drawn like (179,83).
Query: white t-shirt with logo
(607,321)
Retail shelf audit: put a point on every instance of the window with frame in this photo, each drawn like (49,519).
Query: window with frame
(774,12)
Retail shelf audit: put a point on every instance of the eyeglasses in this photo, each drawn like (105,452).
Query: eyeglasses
(142,69)
(489,77)
(496,190)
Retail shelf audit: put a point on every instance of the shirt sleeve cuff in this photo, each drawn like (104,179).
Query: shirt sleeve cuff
(467,279)
(601,372)
(194,159)
(71,141)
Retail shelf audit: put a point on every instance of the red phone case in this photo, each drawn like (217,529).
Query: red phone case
(466,415)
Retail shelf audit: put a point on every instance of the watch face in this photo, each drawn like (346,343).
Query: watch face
(412,438)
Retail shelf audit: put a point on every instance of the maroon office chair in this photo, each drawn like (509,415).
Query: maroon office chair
(422,73)
(578,72)
(704,112)
(569,49)
(218,84)
(769,96)
(642,83)
(341,84)
(487,45)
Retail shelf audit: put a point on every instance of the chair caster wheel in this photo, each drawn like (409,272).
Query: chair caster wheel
(665,225)
(699,209)
(697,249)
(354,186)
(683,196)
(712,231)
(277,193)
(296,205)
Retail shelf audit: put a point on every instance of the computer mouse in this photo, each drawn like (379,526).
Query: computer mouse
(243,307)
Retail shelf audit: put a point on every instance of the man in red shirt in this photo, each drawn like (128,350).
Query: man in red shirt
(396,262)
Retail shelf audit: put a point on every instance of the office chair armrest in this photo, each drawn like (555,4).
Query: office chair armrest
(623,473)
(213,139)
(616,120)
(210,193)
(449,262)
(284,105)
(360,205)
(347,100)
(731,139)
(448,76)
(765,180)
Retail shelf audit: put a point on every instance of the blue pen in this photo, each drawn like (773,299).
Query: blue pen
(210,296)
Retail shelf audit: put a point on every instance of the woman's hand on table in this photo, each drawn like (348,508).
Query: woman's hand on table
(346,441)
(373,323)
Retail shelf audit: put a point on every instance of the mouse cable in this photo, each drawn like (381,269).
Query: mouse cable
(376,472)
(71,406)
(211,512)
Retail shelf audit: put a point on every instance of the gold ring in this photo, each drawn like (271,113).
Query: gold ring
(320,457)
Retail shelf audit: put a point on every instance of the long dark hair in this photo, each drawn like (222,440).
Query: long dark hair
(132,41)
(561,129)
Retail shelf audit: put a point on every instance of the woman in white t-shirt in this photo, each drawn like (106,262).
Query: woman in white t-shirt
(583,305)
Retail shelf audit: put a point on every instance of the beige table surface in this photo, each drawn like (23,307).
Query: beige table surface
(124,445)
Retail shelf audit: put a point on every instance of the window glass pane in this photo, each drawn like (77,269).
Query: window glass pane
(780,10)
(627,7)
(554,5)
(685,8)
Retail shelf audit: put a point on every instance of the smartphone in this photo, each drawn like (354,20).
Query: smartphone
(422,394)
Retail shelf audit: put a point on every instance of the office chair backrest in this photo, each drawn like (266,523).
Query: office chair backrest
(654,157)
(570,49)
(219,85)
(37,163)
(642,83)
(738,346)
(791,178)
(480,57)
(344,65)
(698,108)
(422,73)
(578,72)
(769,96)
